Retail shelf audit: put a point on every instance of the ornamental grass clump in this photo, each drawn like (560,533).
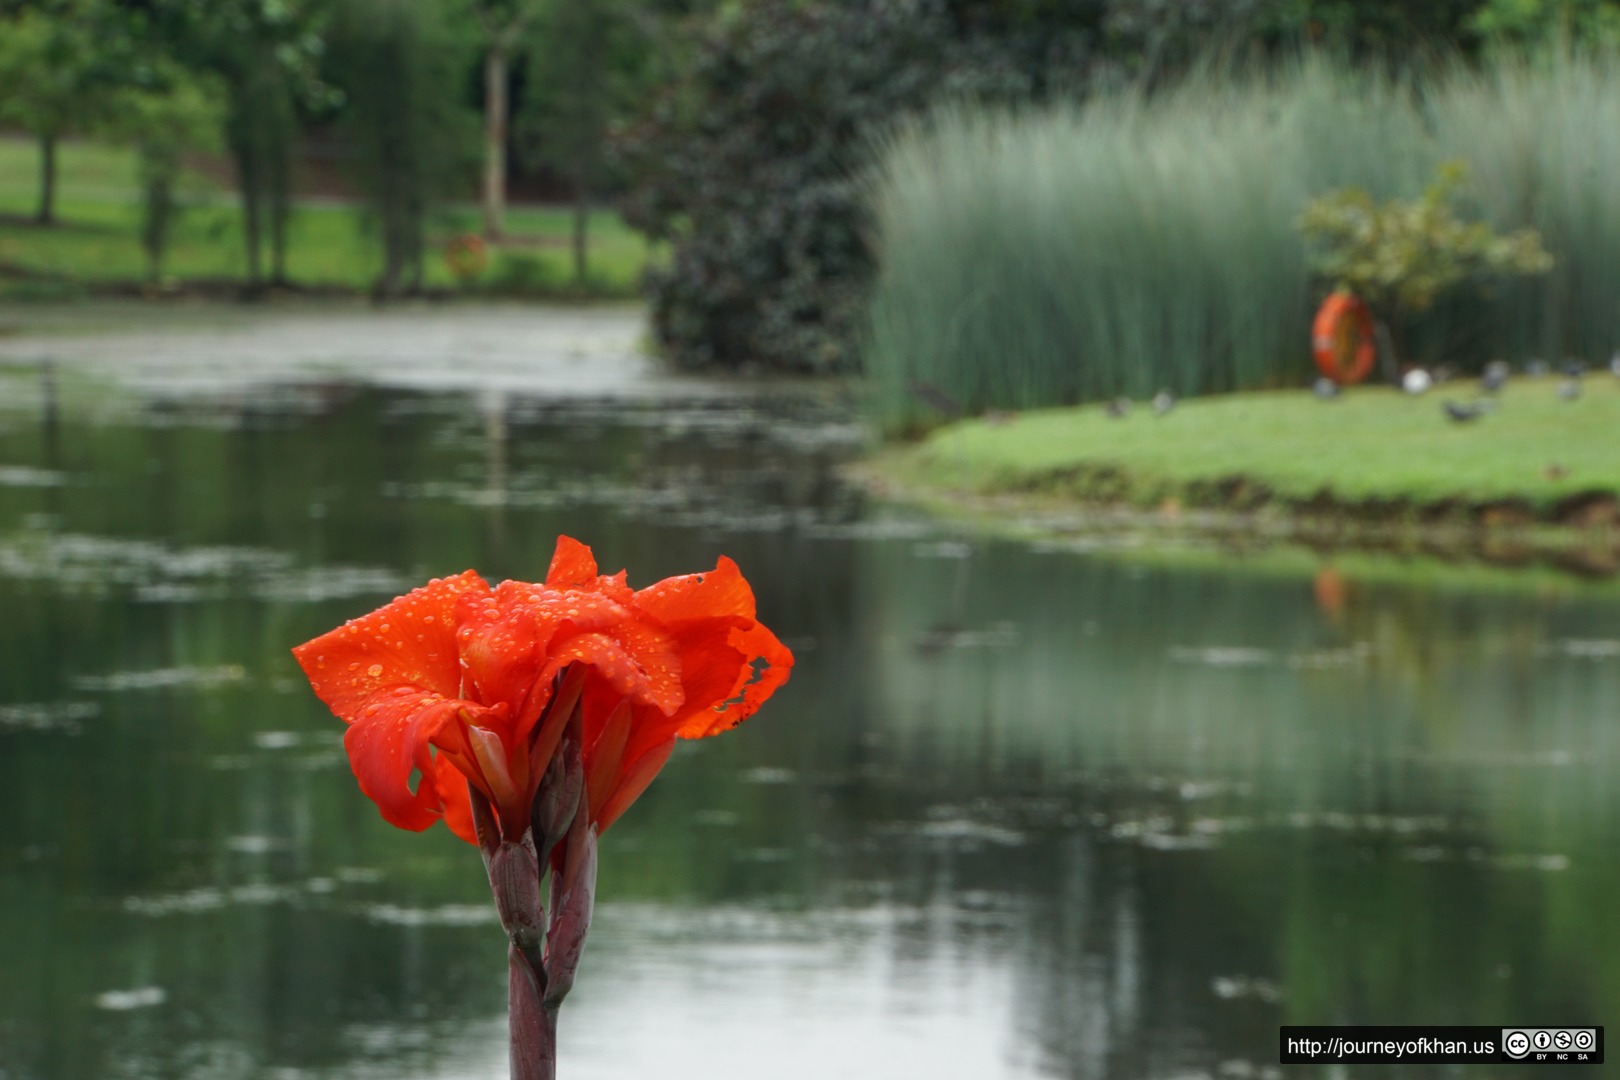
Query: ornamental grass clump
(528,717)
(1541,135)
(1122,246)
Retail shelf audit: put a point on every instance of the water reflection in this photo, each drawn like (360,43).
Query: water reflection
(1020,813)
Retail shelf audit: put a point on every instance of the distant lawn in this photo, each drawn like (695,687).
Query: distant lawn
(1370,444)
(97,241)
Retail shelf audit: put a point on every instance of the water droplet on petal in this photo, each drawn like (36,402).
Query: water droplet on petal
(374,670)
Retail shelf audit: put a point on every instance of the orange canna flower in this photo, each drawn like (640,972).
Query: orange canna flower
(458,683)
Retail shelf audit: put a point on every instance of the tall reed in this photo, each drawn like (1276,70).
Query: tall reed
(1130,244)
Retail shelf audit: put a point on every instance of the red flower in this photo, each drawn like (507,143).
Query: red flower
(452,683)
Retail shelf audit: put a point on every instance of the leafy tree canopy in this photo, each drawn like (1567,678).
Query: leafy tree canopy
(1401,255)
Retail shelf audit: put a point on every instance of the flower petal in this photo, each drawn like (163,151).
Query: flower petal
(721,591)
(572,565)
(767,666)
(637,660)
(730,663)
(452,787)
(409,642)
(501,642)
(603,755)
(388,741)
(632,780)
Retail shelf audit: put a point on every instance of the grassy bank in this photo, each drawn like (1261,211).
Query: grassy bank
(96,245)
(1372,457)
(1127,244)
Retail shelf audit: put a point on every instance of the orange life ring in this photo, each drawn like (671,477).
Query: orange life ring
(1342,339)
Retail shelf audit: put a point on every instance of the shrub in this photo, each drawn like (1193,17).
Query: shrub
(1402,255)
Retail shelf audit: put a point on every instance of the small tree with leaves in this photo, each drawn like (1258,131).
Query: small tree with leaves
(172,111)
(1401,255)
(60,63)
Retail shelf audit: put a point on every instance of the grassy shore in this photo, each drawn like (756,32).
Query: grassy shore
(1370,456)
(95,247)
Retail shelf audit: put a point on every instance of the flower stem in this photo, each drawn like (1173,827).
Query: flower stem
(533,1026)
(544,947)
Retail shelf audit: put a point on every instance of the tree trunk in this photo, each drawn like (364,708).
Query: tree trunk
(582,214)
(47,180)
(494,141)
(280,212)
(252,216)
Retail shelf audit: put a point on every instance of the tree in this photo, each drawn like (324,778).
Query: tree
(264,54)
(1530,21)
(58,63)
(1402,255)
(395,58)
(172,112)
(503,24)
(576,85)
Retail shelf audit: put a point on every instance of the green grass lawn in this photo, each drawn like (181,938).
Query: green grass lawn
(1368,444)
(329,244)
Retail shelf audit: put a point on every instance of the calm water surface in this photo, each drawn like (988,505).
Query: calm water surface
(1023,811)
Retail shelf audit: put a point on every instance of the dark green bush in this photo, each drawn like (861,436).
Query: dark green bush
(749,162)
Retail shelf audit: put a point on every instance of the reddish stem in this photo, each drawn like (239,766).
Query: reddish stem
(544,947)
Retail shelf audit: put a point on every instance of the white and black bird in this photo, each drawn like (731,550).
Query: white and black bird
(1325,388)
(1118,408)
(1569,389)
(1573,367)
(1163,402)
(1495,376)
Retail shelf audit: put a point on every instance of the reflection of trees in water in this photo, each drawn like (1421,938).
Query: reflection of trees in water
(1417,701)
(1383,808)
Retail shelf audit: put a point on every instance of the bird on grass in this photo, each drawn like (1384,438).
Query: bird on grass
(1464,411)
(1569,389)
(1163,402)
(1495,376)
(1416,381)
(1118,407)
(1614,364)
(1535,367)
(1573,367)
(1325,388)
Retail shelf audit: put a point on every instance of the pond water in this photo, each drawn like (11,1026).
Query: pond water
(1024,810)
